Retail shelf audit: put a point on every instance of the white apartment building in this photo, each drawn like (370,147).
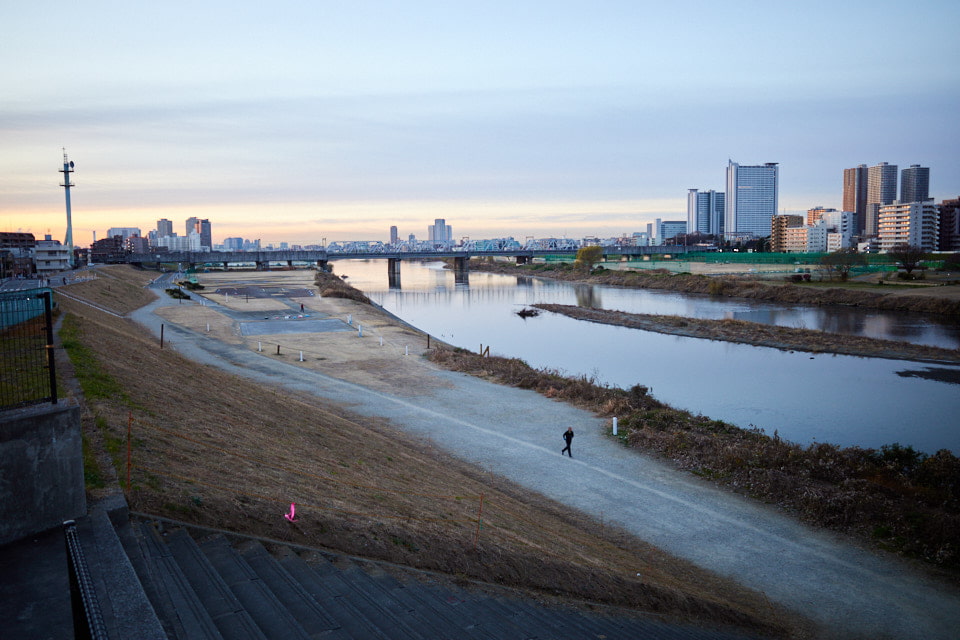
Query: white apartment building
(912,223)
(50,257)
(181,243)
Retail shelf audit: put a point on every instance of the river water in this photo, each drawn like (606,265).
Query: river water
(804,397)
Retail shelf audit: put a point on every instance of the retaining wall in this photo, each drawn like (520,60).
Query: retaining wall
(41,469)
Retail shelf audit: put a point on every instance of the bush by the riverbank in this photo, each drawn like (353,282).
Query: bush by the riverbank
(895,498)
(792,293)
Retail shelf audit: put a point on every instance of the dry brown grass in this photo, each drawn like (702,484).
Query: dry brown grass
(763,335)
(217,450)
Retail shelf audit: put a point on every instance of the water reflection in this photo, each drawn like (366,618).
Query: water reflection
(587,296)
(824,398)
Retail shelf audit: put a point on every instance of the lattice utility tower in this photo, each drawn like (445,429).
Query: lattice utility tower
(66,171)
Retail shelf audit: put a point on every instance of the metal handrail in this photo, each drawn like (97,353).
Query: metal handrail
(87,620)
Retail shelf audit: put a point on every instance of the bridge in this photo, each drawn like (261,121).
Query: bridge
(321,258)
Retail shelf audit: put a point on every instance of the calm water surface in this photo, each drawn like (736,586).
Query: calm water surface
(805,398)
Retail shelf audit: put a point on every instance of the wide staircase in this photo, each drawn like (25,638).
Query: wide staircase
(204,584)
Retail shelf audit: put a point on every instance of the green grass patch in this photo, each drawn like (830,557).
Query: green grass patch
(96,383)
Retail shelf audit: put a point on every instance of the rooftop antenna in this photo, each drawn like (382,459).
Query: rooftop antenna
(66,171)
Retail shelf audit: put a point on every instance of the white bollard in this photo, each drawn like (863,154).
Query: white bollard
(208,327)
(381,341)
(350,318)
(406,350)
(259,346)
(359,330)
(301,356)
(614,425)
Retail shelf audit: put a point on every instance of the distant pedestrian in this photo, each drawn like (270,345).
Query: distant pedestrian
(568,437)
(301,307)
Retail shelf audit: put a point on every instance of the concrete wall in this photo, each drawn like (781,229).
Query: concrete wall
(41,469)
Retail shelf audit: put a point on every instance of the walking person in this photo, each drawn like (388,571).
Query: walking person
(568,437)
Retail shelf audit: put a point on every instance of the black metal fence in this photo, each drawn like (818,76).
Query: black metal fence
(27,371)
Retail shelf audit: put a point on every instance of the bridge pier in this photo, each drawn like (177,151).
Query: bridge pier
(521,260)
(323,265)
(393,273)
(263,266)
(461,265)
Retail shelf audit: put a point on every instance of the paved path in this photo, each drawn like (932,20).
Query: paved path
(850,592)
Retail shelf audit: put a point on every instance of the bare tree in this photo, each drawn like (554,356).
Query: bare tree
(909,256)
(840,263)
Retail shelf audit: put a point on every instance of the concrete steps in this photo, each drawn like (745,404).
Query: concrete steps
(213,586)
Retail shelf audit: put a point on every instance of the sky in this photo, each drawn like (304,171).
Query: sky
(306,122)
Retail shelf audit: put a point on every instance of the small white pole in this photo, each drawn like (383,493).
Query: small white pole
(208,327)
(381,341)
(350,318)
(614,425)
(259,346)
(301,356)
(406,350)
(359,330)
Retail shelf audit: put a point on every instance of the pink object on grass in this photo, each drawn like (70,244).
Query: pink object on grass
(292,516)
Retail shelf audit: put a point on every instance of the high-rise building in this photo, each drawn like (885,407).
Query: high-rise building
(750,199)
(705,211)
(881,190)
(949,225)
(439,233)
(206,234)
(164,227)
(394,235)
(191,226)
(915,184)
(855,194)
(916,224)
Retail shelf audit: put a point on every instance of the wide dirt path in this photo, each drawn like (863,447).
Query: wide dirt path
(850,592)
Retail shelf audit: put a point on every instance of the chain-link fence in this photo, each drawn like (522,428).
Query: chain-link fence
(27,371)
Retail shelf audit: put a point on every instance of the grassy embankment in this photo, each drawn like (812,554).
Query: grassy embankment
(217,450)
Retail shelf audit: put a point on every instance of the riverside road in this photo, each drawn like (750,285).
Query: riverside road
(848,591)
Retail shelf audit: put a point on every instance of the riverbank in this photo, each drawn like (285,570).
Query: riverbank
(231,451)
(762,335)
(941,300)
(896,499)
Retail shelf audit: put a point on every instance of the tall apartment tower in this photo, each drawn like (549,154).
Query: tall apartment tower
(206,233)
(439,232)
(855,194)
(881,190)
(705,212)
(164,228)
(394,235)
(915,184)
(750,199)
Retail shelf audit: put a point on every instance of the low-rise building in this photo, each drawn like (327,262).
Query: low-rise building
(50,257)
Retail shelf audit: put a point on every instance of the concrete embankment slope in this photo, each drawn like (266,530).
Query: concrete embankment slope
(848,591)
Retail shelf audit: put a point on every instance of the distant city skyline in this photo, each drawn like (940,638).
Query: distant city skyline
(533,119)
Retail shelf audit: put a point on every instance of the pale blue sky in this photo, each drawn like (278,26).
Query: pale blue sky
(309,120)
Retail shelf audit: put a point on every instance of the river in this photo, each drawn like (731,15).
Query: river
(803,397)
